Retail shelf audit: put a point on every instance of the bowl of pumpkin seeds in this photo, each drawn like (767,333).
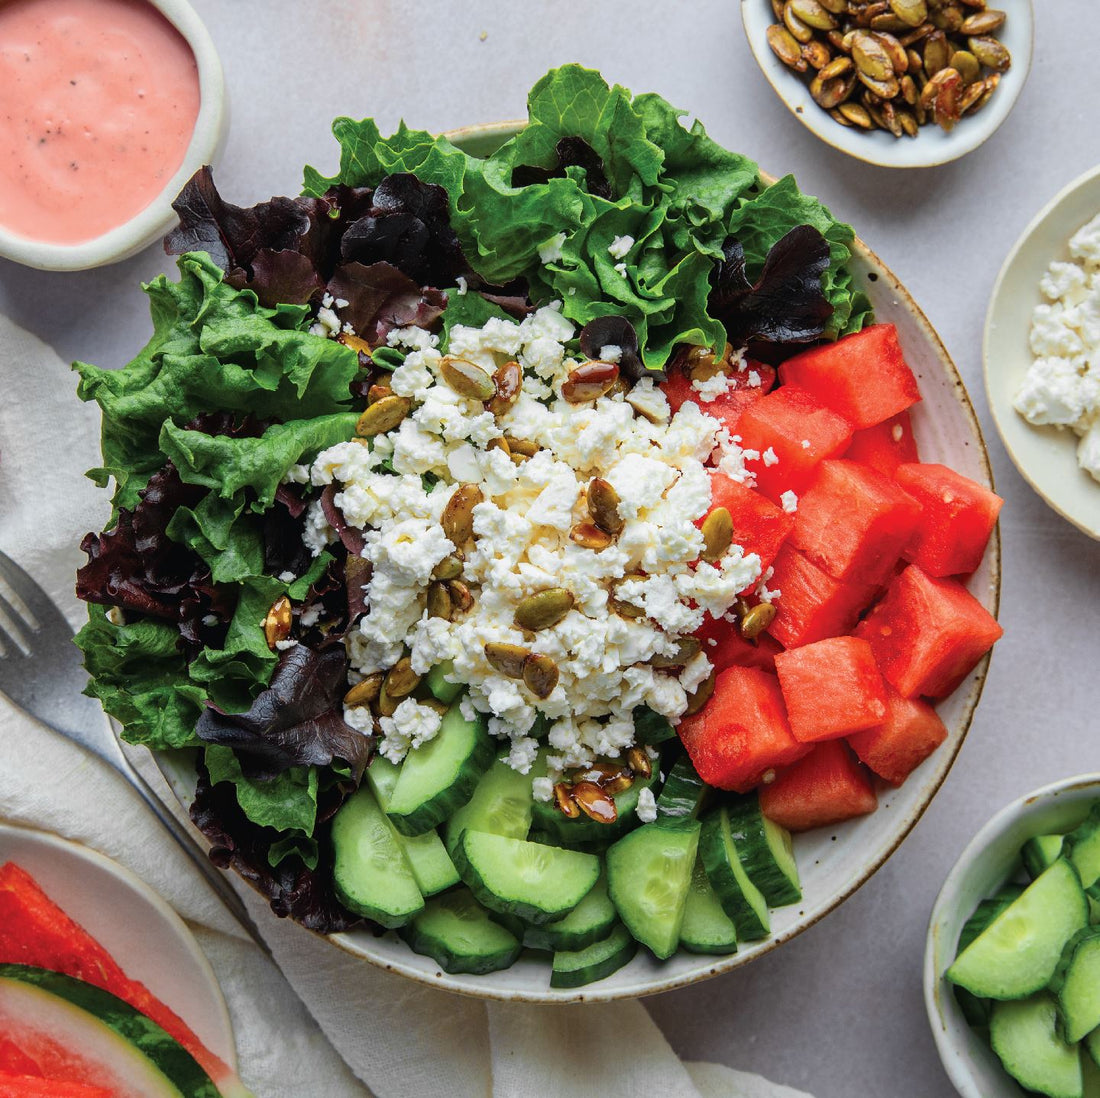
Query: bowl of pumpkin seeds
(898,83)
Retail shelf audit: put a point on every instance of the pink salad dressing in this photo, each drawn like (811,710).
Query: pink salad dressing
(98,100)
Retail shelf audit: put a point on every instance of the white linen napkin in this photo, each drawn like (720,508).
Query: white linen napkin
(402,1039)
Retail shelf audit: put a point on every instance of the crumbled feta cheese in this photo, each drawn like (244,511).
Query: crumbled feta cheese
(896,433)
(611,352)
(621,268)
(770,457)
(789,502)
(460,282)
(287,577)
(550,250)
(647,805)
(806,442)
(709,389)
(619,247)
(542,789)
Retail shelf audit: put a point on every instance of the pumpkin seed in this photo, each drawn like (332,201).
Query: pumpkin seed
(385,704)
(589,381)
(910,12)
(466,378)
(777,9)
(916,63)
(837,7)
(717,530)
(836,40)
(990,53)
(544,609)
(856,115)
(871,58)
(462,598)
(937,53)
(434,703)
(378,392)
(908,123)
(889,23)
(813,14)
(382,416)
(983,22)
(966,65)
(757,620)
(563,801)
(589,536)
(886,117)
(356,343)
(507,658)
(990,83)
(458,516)
(448,568)
(884,89)
(914,36)
(701,695)
(623,608)
(948,18)
(521,446)
(899,59)
(595,802)
(816,54)
(401,680)
(831,93)
(612,777)
(686,650)
(440,604)
(603,506)
(786,47)
(507,382)
(278,622)
(837,67)
(637,758)
(798,29)
(540,675)
(908,88)
(836,116)
(364,691)
(971,94)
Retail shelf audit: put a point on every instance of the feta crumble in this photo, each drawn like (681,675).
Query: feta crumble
(620,246)
(789,502)
(647,806)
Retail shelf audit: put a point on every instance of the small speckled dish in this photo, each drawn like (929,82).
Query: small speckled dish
(1045,456)
(207,141)
(932,146)
(991,860)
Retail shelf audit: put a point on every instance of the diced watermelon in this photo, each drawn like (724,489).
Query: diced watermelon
(35,931)
(957,518)
(910,733)
(927,634)
(886,445)
(811,604)
(799,430)
(863,376)
(31,1086)
(728,405)
(853,521)
(759,526)
(831,688)
(732,650)
(742,732)
(826,787)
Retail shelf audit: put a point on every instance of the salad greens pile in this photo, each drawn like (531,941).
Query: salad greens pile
(233,390)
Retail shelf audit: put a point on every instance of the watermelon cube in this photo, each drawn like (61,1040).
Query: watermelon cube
(863,376)
(759,526)
(853,521)
(826,787)
(957,518)
(742,732)
(910,733)
(831,688)
(730,649)
(799,431)
(886,445)
(811,604)
(725,406)
(927,634)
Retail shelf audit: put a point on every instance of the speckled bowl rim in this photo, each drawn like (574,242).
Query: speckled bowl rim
(182,782)
(207,141)
(793,92)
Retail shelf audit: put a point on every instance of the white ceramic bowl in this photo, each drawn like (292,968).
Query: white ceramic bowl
(143,228)
(1045,456)
(947,431)
(990,861)
(932,145)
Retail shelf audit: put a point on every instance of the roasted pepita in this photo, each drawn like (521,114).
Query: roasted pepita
(364,691)
(757,620)
(594,802)
(990,53)
(507,381)
(717,531)
(439,600)
(507,658)
(786,47)
(462,598)
(382,416)
(540,674)
(466,378)
(401,680)
(589,536)
(563,801)
(458,515)
(910,12)
(686,650)
(589,381)
(639,761)
(544,609)
(856,115)
(798,29)
(983,22)
(448,568)
(698,698)
(277,624)
(603,505)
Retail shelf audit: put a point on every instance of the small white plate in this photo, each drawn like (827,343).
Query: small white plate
(990,861)
(932,145)
(1045,456)
(142,933)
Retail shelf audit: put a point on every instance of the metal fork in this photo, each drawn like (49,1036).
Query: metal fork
(41,673)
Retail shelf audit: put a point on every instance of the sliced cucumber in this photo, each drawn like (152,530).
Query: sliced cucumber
(683,793)
(1082,847)
(501,805)
(1041,852)
(706,927)
(1076,984)
(458,934)
(765,851)
(538,883)
(976,1011)
(1024,1036)
(741,900)
(439,777)
(584,833)
(595,962)
(590,921)
(382,776)
(437,683)
(370,872)
(1016,955)
(648,876)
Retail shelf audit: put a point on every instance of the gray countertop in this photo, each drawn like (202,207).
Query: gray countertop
(838,1011)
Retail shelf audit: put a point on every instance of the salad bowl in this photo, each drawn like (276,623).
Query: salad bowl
(835,861)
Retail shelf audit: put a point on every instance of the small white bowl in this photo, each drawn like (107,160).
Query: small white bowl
(143,228)
(990,861)
(1045,456)
(932,146)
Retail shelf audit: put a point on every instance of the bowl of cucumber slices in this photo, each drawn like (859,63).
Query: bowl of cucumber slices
(1012,963)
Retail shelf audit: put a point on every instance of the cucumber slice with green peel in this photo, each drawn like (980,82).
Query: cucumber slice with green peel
(431,865)
(458,934)
(582,832)
(590,921)
(765,851)
(1024,1035)
(1016,955)
(1082,847)
(1076,984)
(741,900)
(683,793)
(437,683)
(706,927)
(648,877)
(382,776)
(976,1011)
(1040,852)
(438,778)
(574,968)
(650,727)
(370,871)
(501,805)
(538,883)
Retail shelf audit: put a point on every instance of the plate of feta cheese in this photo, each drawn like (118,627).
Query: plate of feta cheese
(1042,353)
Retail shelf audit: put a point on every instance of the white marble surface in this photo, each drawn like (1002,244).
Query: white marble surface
(839,1010)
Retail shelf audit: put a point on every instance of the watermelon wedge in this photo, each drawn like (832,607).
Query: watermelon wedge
(34,1086)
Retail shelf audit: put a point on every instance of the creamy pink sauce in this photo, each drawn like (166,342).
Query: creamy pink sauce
(98,101)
